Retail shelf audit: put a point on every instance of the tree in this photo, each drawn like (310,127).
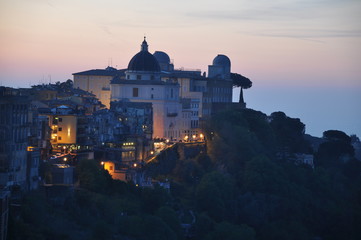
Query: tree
(334,135)
(170,217)
(242,82)
(229,231)
(289,132)
(214,195)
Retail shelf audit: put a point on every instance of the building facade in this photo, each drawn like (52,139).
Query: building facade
(97,81)
(181,99)
(14,131)
(143,83)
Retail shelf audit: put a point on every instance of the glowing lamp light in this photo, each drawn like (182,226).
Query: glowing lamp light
(194,136)
(134,165)
(102,163)
(201,135)
(65,159)
(151,152)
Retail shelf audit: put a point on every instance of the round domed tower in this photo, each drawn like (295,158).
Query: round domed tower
(164,61)
(143,66)
(162,57)
(222,60)
(221,67)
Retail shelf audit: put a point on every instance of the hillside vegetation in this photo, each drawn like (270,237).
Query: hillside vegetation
(245,184)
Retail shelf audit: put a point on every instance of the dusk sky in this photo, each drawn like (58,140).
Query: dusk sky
(303,57)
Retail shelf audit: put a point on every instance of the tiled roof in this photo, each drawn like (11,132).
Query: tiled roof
(103,72)
(140,82)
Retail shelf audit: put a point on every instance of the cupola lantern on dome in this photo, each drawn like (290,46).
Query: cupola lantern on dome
(144,46)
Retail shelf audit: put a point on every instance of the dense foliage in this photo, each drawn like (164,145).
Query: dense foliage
(241,81)
(245,184)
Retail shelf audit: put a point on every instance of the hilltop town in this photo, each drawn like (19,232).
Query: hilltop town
(119,117)
(191,163)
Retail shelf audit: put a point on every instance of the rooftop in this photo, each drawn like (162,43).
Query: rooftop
(103,72)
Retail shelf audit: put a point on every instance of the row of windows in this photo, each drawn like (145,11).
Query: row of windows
(222,90)
(20,134)
(186,115)
(172,134)
(139,77)
(194,105)
(199,88)
(13,147)
(135,93)
(128,156)
(218,99)
(190,114)
(15,118)
(194,123)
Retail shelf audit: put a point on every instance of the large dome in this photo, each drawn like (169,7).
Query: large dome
(144,61)
(222,60)
(162,57)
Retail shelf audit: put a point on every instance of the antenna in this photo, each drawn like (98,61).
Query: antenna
(111,62)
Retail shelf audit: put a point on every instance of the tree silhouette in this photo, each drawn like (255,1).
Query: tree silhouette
(242,82)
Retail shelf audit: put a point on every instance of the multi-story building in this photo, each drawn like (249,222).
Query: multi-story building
(143,83)
(123,133)
(97,81)
(14,131)
(4,213)
(180,98)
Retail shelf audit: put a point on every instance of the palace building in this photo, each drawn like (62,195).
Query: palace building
(180,98)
